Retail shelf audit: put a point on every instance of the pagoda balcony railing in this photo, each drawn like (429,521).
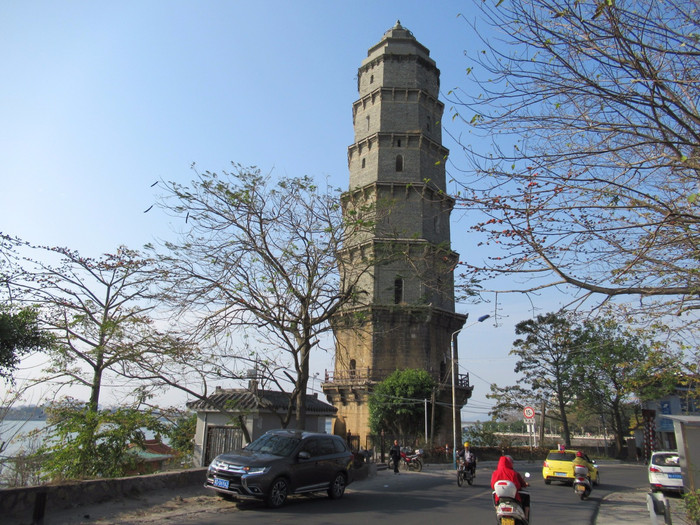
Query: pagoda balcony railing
(374,375)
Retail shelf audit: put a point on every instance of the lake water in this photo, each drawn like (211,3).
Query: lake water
(27,436)
(15,436)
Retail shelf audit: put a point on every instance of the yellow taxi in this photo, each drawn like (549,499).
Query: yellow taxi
(559,467)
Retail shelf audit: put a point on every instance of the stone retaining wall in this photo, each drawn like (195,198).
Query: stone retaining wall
(25,501)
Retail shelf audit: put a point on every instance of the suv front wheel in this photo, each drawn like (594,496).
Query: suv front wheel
(278,493)
(337,488)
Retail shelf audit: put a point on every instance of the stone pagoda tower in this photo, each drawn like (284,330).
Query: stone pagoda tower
(400,270)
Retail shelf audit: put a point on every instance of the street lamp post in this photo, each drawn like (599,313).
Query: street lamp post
(454,400)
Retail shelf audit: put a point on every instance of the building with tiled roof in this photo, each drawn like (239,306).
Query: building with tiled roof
(260,410)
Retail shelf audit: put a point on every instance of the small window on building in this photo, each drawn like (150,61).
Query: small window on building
(399,162)
(398,290)
(367,122)
(398,143)
(353,368)
(428,123)
(363,163)
(371,79)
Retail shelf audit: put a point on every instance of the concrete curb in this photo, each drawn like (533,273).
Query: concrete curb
(633,507)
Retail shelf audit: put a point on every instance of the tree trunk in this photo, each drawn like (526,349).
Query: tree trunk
(302,382)
(542,420)
(618,428)
(244,429)
(564,421)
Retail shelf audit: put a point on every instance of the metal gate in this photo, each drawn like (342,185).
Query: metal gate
(220,440)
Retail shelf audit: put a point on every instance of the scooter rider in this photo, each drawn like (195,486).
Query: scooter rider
(581,460)
(505,471)
(469,458)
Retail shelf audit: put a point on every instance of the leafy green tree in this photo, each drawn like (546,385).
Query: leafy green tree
(181,433)
(84,443)
(19,334)
(396,405)
(546,360)
(485,434)
(615,368)
(592,180)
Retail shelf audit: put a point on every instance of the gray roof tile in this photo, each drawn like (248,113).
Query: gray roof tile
(245,400)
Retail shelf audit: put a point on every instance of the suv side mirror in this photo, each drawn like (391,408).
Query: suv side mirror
(304,455)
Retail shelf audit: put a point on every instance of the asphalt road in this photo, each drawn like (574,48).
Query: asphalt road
(431,497)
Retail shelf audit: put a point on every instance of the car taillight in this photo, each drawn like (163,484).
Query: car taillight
(655,469)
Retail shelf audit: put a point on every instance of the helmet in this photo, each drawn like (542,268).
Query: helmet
(579,454)
(466,444)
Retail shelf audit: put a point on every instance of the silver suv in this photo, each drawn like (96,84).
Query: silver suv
(283,462)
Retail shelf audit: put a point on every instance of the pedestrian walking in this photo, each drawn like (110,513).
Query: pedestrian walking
(395,453)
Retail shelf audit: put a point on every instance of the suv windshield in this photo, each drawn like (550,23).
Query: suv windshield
(274,444)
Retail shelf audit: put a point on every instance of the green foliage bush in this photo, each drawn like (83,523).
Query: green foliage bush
(85,444)
(692,505)
(397,405)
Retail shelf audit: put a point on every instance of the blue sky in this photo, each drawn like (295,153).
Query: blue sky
(101,99)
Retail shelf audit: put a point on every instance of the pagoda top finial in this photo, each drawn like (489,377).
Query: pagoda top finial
(398,31)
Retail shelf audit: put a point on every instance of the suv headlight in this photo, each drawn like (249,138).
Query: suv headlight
(256,470)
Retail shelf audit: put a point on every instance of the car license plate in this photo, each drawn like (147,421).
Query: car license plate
(507,520)
(580,488)
(560,474)
(223,483)
(675,476)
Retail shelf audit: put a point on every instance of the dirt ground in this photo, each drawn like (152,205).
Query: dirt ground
(149,508)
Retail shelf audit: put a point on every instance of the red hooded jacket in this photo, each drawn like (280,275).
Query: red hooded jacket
(505,470)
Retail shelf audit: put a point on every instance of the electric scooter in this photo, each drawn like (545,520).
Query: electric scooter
(509,511)
(582,485)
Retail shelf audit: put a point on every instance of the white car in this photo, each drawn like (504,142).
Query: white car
(665,472)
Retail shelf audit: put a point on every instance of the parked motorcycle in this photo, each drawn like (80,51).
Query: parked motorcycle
(582,485)
(409,461)
(508,509)
(413,461)
(464,473)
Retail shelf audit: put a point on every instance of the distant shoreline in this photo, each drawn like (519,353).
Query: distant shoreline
(22,413)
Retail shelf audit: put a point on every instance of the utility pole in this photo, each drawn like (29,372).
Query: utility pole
(432,418)
(425,405)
